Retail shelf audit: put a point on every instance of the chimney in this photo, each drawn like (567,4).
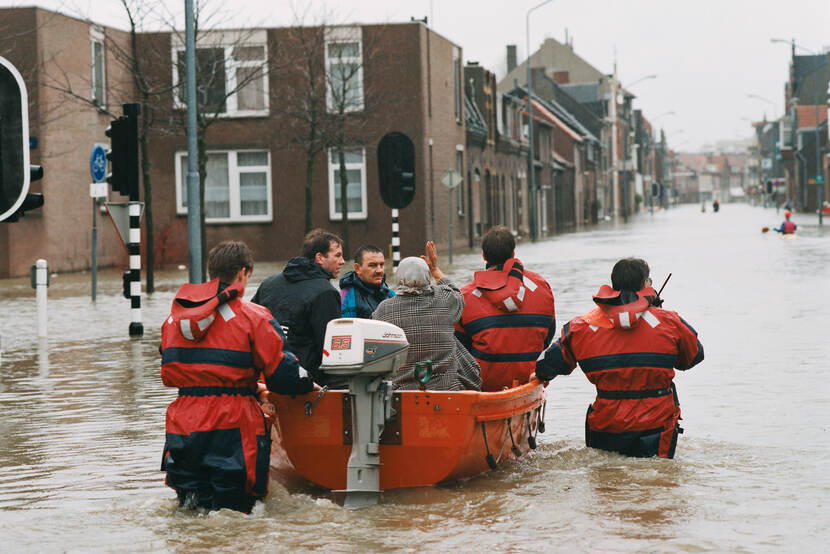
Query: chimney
(511,57)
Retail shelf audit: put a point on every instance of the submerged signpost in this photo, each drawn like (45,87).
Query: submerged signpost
(451,179)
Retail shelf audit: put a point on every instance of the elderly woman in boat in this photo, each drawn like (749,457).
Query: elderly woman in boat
(427,312)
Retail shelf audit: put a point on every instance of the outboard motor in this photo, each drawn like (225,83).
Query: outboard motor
(365,352)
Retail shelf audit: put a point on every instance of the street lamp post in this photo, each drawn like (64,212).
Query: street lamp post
(531,174)
(768,101)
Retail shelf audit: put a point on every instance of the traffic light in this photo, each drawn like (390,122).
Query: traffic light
(123,152)
(396,170)
(769,187)
(15,171)
(115,154)
(655,189)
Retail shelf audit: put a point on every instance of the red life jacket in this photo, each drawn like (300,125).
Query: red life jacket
(214,348)
(788,227)
(628,350)
(508,319)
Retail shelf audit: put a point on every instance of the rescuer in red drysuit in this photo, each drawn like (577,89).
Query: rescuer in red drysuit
(508,317)
(627,347)
(787,227)
(214,347)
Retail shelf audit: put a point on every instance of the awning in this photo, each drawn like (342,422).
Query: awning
(548,116)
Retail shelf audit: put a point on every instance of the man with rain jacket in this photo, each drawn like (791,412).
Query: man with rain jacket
(215,346)
(509,316)
(362,289)
(628,348)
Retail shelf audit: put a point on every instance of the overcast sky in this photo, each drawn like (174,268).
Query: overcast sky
(708,55)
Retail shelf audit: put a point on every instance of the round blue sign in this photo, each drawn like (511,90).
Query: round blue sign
(98,163)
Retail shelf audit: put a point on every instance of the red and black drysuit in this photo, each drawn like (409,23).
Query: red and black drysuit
(508,320)
(214,346)
(627,349)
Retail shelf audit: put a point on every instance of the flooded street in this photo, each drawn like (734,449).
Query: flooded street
(82,424)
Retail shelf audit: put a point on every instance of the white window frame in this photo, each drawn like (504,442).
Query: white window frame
(234,195)
(334,210)
(96,36)
(227,40)
(336,35)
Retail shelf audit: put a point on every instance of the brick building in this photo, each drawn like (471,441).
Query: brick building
(408,79)
(45,48)
(496,156)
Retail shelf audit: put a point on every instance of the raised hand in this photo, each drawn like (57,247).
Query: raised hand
(431,258)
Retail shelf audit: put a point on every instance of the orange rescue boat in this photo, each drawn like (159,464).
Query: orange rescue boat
(422,438)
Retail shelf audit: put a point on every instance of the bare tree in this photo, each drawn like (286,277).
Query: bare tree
(215,90)
(326,103)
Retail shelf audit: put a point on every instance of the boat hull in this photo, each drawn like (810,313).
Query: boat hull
(435,437)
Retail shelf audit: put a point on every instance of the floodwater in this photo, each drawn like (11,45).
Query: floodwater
(82,424)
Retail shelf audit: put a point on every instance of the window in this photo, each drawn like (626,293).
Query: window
(344,70)
(98,64)
(231,74)
(355,185)
(237,186)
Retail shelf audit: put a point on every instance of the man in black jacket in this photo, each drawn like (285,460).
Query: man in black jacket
(303,300)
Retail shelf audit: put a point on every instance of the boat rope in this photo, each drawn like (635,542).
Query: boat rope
(541,425)
(309,405)
(514,449)
(503,444)
(531,436)
(491,461)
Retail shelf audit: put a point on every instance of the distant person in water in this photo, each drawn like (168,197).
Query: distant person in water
(787,227)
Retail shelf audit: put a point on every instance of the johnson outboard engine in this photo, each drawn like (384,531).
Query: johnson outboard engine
(365,352)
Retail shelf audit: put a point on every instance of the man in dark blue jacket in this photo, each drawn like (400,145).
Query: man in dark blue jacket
(364,288)
(303,300)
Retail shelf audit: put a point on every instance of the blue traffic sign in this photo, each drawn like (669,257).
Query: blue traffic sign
(98,163)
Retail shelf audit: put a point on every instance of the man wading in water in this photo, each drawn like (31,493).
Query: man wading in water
(628,347)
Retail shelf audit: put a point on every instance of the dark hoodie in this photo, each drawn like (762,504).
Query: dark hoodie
(303,301)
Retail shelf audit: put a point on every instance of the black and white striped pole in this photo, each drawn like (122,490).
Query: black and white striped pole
(396,241)
(134,250)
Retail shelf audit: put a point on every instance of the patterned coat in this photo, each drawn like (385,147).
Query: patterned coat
(427,319)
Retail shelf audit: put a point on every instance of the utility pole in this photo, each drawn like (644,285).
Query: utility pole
(194,228)
(615,176)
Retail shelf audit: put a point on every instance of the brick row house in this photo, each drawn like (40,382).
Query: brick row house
(44,46)
(613,172)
